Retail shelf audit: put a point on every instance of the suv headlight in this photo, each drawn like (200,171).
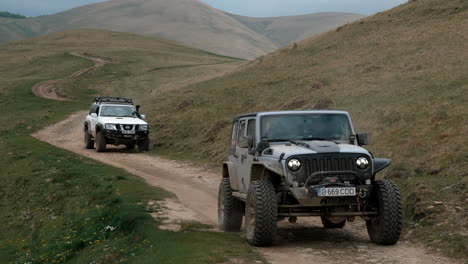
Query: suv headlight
(362,163)
(111,127)
(143,127)
(294,164)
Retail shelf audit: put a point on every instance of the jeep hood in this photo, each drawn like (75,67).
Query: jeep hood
(315,147)
(122,120)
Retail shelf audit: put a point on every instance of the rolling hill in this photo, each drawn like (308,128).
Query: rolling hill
(285,30)
(186,21)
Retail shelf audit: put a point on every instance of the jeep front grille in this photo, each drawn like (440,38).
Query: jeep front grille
(329,163)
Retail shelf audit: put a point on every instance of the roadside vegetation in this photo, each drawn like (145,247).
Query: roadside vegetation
(56,206)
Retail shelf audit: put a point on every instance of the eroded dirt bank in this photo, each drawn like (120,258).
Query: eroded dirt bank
(197,187)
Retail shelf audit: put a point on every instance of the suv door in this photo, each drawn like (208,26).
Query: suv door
(232,158)
(94,121)
(244,159)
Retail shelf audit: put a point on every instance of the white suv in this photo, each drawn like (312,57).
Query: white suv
(115,120)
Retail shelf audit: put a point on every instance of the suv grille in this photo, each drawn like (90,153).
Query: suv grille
(330,162)
(127,127)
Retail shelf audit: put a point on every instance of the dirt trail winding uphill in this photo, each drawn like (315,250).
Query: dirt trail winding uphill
(196,189)
(48,89)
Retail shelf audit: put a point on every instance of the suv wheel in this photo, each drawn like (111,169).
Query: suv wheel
(385,229)
(261,213)
(230,209)
(329,224)
(88,141)
(144,145)
(100,142)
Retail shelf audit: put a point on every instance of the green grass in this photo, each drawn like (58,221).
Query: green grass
(59,207)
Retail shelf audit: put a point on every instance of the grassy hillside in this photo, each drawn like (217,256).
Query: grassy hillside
(402,74)
(288,29)
(58,207)
(186,21)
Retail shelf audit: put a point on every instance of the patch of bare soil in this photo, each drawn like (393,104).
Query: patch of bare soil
(49,89)
(197,187)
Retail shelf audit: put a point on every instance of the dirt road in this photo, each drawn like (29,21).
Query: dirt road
(48,89)
(196,189)
(305,242)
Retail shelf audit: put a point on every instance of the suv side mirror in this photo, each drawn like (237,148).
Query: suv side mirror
(143,117)
(93,115)
(363,139)
(246,142)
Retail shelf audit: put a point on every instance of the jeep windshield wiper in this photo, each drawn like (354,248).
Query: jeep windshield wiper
(290,141)
(320,139)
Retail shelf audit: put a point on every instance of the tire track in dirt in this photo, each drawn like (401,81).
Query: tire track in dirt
(197,188)
(48,89)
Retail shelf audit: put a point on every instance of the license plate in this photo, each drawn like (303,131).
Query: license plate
(128,132)
(337,191)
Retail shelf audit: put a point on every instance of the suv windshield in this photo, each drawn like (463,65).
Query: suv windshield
(305,127)
(118,111)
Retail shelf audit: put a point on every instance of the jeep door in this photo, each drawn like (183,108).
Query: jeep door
(244,159)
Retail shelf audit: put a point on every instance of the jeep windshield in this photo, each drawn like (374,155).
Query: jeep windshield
(118,111)
(294,127)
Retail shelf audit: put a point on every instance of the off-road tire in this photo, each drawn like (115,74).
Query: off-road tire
(261,213)
(329,224)
(144,145)
(100,142)
(88,141)
(130,146)
(230,209)
(385,229)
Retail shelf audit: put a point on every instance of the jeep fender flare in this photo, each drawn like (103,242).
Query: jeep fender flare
(261,172)
(228,170)
(380,164)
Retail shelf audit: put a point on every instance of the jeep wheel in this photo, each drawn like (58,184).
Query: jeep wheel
(230,209)
(88,141)
(261,213)
(385,229)
(130,146)
(144,145)
(100,142)
(329,224)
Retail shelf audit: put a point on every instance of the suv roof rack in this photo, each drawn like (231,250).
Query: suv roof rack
(108,99)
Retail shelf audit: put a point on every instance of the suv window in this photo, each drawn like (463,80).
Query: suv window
(234,134)
(251,128)
(241,130)
(93,109)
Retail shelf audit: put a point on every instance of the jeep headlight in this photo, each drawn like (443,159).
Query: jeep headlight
(362,163)
(294,164)
(111,127)
(143,127)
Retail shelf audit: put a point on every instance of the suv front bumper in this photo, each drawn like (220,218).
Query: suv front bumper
(117,135)
(308,196)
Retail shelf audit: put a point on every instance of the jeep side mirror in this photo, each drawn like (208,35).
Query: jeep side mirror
(363,139)
(143,117)
(246,142)
(262,145)
(93,115)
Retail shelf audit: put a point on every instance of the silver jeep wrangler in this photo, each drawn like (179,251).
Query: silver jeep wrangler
(304,163)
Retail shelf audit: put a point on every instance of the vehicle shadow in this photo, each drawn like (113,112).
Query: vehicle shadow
(317,236)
